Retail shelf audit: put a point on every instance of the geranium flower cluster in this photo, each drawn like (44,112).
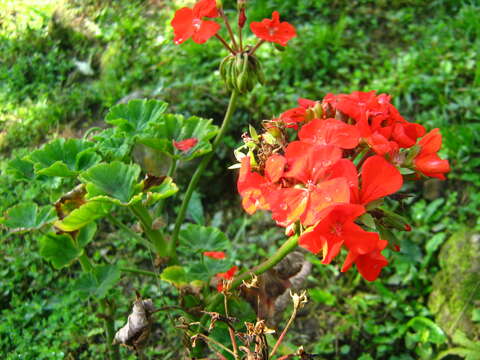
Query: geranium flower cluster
(323,168)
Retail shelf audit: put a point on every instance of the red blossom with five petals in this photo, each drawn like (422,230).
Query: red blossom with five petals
(188,23)
(273,30)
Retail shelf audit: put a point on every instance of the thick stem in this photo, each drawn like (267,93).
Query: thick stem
(155,236)
(200,169)
(171,172)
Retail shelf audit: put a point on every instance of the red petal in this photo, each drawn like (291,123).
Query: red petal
(206,31)
(431,165)
(182,24)
(288,204)
(274,167)
(330,132)
(379,179)
(273,31)
(431,143)
(322,196)
(228,274)
(344,168)
(186,144)
(307,162)
(207,8)
(358,240)
(370,265)
(215,254)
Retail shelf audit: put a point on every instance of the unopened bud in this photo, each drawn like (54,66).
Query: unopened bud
(219,4)
(242,18)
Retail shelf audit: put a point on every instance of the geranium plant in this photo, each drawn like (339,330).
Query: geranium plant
(323,170)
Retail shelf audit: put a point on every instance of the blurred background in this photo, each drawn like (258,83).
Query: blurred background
(63,63)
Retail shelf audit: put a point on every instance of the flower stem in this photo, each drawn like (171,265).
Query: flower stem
(284,332)
(199,172)
(229,28)
(139,271)
(222,40)
(255,48)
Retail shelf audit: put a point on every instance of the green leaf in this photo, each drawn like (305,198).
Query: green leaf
(435,335)
(60,250)
(169,128)
(208,268)
(21,169)
(85,214)
(115,182)
(136,115)
(195,209)
(28,216)
(86,234)
(113,144)
(98,282)
(176,275)
(198,238)
(166,189)
(64,158)
(322,297)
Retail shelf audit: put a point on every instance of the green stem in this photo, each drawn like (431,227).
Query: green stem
(155,236)
(171,172)
(200,169)
(138,271)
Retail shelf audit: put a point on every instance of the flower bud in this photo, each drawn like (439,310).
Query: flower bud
(242,18)
(219,4)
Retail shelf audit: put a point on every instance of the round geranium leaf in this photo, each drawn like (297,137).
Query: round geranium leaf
(28,216)
(59,249)
(136,115)
(180,138)
(197,238)
(99,281)
(84,215)
(115,182)
(64,158)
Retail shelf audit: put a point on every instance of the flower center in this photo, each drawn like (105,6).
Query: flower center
(197,23)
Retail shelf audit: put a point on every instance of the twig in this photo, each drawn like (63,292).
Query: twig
(255,48)
(229,28)
(222,40)
(230,330)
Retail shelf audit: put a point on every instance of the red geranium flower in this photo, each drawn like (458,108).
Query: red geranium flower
(273,30)
(228,275)
(219,255)
(187,23)
(308,164)
(186,144)
(337,228)
(250,186)
(427,161)
(368,265)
